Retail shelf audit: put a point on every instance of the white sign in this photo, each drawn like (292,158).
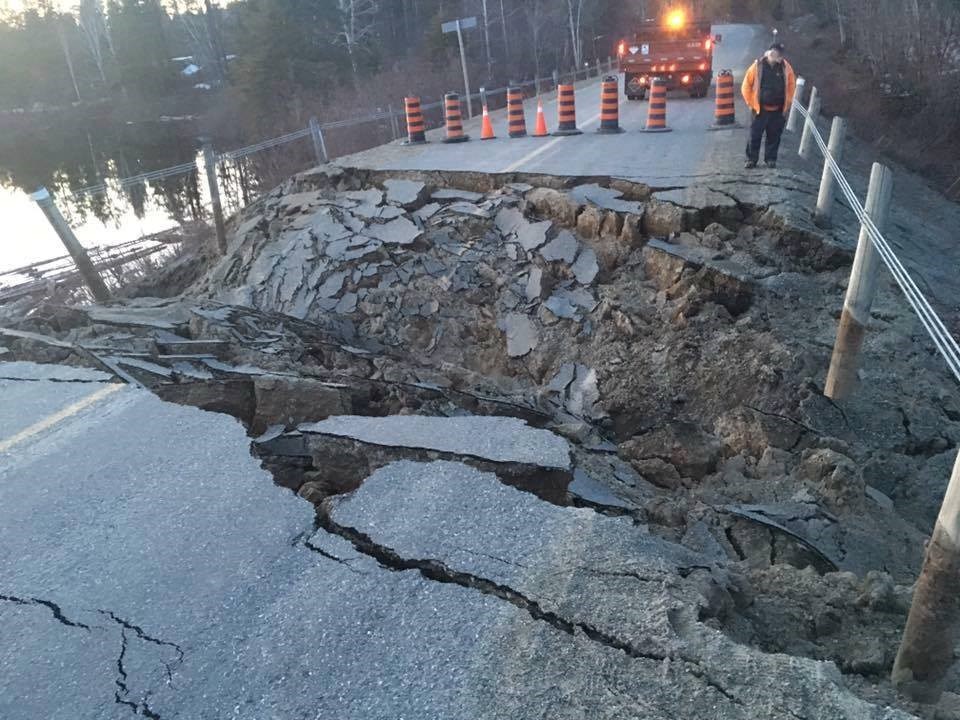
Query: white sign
(465,24)
(645,49)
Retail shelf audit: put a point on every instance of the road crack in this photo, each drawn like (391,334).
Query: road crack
(51,606)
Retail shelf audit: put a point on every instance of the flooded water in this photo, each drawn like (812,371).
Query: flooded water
(82,165)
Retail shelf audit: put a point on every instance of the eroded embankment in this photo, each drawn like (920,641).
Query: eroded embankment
(677,350)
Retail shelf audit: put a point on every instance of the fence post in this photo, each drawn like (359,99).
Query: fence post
(394,128)
(210,165)
(838,131)
(813,111)
(926,650)
(599,68)
(319,148)
(860,290)
(794,111)
(88,272)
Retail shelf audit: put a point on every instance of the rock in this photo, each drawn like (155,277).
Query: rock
(534,287)
(663,219)
(235,398)
(685,446)
(427,211)
(563,378)
(561,306)
(583,393)
(878,593)
(588,222)
(832,476)
(722,233)
(332,285)
(658,472)
(562,247)
(879,498)
(774,462)
(612,225)
(455,194)
(586,268)
(291,401)
(522,334)
(632,233)
(407,193)
(347,304)
(865,656)
(553,204)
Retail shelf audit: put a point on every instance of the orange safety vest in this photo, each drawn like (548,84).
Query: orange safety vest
(751,85)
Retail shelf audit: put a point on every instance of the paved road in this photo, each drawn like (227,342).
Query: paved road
(660,159)
(151,568)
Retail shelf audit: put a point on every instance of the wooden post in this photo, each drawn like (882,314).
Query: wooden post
(88,272)
(319,147)
(926,651)
(860,291)
(466,77)
(210,164)
(794,112)
(838,131)
(813,112)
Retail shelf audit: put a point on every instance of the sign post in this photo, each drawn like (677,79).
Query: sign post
(458,26)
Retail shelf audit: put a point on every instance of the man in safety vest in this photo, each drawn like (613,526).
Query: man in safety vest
(768,89)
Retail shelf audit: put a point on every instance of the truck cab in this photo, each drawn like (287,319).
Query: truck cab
(673,48)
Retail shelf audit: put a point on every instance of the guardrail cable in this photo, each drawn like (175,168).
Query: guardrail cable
(928,317)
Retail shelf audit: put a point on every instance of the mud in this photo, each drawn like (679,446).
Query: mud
(680,349)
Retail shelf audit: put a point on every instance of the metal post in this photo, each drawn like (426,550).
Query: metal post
(394,127)
(838,131)
(609,63)
(210,165)
(813,112)
(860,290)
(85,267)
(599,68)
(556,79)
(926,651)
(318,147)
(466,77)
(794,111)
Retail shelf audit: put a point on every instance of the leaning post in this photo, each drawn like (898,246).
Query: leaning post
(926,650)
(319,147)
(813,111)
(838,131)
(85,267)
(860,290)
(794,109)
(210,164)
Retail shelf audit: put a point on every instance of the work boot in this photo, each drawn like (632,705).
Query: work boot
(750,164)
(772,164)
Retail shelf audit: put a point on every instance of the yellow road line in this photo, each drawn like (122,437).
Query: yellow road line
(56,417)
(543,148)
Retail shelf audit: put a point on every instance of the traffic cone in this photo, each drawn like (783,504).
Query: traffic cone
(486,127)
(609,107)
(725,114)
(566,111)
(516,122)
(453,119)
(541,129)
(657,114)
(416,128)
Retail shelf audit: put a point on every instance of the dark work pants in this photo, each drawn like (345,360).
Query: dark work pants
(770,122)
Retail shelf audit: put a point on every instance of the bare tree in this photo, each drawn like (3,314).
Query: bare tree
(574,16)
(357,19)
(66,52)
(94,29)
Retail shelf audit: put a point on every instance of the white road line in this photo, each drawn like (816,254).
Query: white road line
(56,417)
(543,148)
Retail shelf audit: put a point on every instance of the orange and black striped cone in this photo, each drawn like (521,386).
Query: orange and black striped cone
(541,128)
(657,112)
(454,120)
(566,111)
(516,122)
(725,117)
(609,107)
(486,127)
(416,128)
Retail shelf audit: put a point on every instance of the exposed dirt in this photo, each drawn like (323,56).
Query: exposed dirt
(683,359)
